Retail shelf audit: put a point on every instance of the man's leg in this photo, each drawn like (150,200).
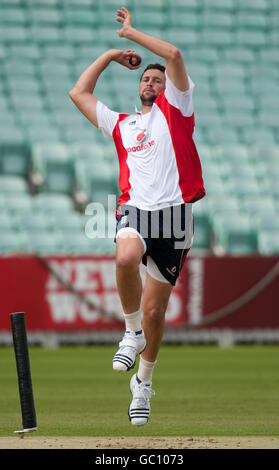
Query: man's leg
(129,252)
(155,301)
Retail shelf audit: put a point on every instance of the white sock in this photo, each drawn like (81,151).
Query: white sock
(145,370)
(133,321)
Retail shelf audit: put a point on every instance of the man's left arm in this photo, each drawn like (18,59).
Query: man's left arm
(175,66)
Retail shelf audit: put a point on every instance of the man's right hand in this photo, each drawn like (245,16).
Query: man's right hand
(123,57)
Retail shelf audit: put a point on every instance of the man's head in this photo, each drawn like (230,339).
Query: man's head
(152,83)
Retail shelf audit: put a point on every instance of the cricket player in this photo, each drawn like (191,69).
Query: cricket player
(160,177)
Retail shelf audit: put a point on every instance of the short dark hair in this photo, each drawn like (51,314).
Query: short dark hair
(156,66)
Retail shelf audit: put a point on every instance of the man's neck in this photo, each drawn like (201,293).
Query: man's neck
(146,109)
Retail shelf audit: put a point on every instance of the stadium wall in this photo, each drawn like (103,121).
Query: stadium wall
(73,299)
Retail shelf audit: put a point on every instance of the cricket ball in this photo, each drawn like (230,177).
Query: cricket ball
(135,60)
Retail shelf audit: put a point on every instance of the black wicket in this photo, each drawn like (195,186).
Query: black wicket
(23,371)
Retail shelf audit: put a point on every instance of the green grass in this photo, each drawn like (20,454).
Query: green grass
(200,391)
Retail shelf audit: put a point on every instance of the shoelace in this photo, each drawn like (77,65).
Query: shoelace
(142,392)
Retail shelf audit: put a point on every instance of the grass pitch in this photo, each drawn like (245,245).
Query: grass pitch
(200,391)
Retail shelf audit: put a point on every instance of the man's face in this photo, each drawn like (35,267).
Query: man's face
(151,85)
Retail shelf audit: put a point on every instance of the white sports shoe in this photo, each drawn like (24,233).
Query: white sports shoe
(139,409)
(133,343)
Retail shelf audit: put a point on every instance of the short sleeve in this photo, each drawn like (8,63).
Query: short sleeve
(183,100)
(107,119)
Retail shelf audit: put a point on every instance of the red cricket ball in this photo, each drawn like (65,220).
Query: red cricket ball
(135,60)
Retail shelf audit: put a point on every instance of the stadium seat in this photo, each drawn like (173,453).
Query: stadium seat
(53,164)
(13,242)
(235,234)
(43,242)
(253,135)
(53,202)
(36,222)
(268,242)
(14,160)
(17,205)
(13,184)
(231,53)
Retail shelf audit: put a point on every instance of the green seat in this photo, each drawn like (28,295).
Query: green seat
(245,104)
(223,206)
(45,242)
(254,135)
(203,53)
(208,103)
(251,20)
(27,85)
(13,65)
(241,187)
(53,167)
(11,134)
(71,222)
(43,35)
(268,242)
(13,184)
(180,37)
(267,221)
(202,232)
(14,159)
(269,119)
(82,34)
(219,5)
(14,34)
(259,205)
(230,87)
(13,242)
(53,202)
(186,19)
(27,101)
(266,153)
(219,38)
(212,19)
(55,68)
(253,39)
(268,102)
(78,243)
(236,154)
(8,222)
(21,203)
(29,51)
(222,134)
(36,222)
(254,5)
(13,16)
(243,55)
(62,51)
(45,16)
(235,234)
(37,133)
(269,55)
(235,118)
(80,16)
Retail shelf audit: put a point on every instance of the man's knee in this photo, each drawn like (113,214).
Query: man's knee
(127,261)
(155,313)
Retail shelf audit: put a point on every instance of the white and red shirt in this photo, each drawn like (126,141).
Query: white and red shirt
(158,161)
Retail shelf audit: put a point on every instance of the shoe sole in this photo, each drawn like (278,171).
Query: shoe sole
(133,365)
(130,419)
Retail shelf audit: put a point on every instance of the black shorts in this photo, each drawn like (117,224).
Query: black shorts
(165,233)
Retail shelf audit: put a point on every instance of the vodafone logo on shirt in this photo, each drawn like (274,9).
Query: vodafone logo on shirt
(140,147)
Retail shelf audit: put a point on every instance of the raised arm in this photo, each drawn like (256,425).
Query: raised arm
(175,66)
(82,93)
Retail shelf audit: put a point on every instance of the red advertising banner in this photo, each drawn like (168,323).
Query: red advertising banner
(79,293)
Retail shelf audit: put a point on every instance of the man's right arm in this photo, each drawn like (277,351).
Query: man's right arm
(82,93)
